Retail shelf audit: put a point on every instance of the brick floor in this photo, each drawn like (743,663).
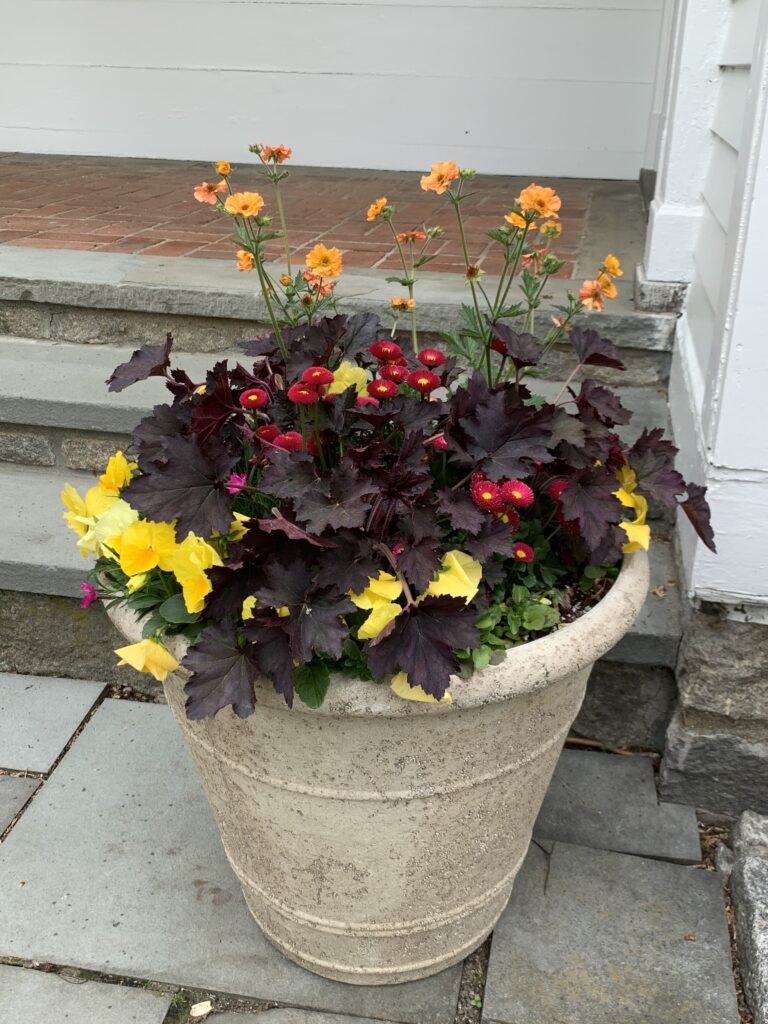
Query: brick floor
(146,206)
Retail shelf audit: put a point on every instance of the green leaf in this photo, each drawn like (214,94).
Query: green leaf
(174,610)
(490,617)
(593,572)
(520,594)
(154,623)
(481,657)
(311,681)
(513,624)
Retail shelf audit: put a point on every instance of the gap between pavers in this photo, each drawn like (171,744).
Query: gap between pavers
(33,997)
(15,790)
(594,937)
(288,1015)
(140,886)
(38,716)
(609,802)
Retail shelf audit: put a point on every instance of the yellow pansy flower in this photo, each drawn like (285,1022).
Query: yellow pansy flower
(106,530)
(238,529)
(248,605)
(627,477)
(118,473)
(145,546)
(188,563)
(402,688)
(383,588)
(638,533)
(346,375)
(137,582)
(148,656)
(81,513)
(459,577)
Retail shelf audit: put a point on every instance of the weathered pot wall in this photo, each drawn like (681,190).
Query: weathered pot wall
(377,840)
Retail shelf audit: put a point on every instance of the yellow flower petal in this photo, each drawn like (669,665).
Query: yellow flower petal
(639,536)
(148,656)
(459,577)
(627,477)
(383,613)
(347,375)
(381,589)
(248,605)
(118,473)
(137,582)
(402,688)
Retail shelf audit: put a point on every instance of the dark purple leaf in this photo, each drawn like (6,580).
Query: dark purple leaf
(336,501)
(350,564)
(462,512)
(603,402)
(291,530)
(589,497)
(697,509)
(652,457)
(223,673)
(420,561)
(215,407)
(188,487)
(153,433)
(272,653)
(420,643)
(593,350)
(495,538)
(524,349)
(147,361)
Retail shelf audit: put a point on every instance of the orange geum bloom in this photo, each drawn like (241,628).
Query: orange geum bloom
(277,154)
(223,167)
(244,259)
(612,266)
(411,236)
(518,222)
(375,208)
(439,177)
(244,204)
(552,229)
(402,304)
(207,192)
(594,293)
(323,261)
(545,202)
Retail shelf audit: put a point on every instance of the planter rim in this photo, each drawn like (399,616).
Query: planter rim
(528,667)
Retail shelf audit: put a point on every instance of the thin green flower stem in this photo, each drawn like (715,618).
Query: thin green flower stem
(456,199)
(270,310)
(530,316)
(409,276)
(518,255)
(407,594)
(317,435)
(283,225)
(303,425)
(570,377)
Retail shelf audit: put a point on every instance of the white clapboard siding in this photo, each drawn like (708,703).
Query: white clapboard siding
(700,317)
(742,33)
(557,87)
(721,175)
(709,256)
(731,103)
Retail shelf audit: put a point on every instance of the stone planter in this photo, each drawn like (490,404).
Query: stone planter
(377,839)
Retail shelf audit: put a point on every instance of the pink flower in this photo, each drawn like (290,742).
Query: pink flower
(291,441)
(485,494)
(367,400)
(236,483)
(556,489)
(515,492)
(439,442)
(431,357)
(90,594)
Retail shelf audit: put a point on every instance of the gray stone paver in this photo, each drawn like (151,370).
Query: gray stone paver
(609,802)
(140,884)
(14,793)
(749,886)
(592,937)
(38,716)
(31,997)
(288,1015)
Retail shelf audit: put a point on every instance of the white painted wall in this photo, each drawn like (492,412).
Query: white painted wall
(544,87)
(719,385)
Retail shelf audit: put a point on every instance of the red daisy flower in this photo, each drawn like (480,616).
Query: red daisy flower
(382,388)
(556,489)
(291,441)
(522,552)
(439,442)
(303,394)
(367,400)
(393,371)
(254,398)
(317,375)
(485,494)
(515,492)
(386,351)
(268,432)
(431,357)
(423,381)
(513,519)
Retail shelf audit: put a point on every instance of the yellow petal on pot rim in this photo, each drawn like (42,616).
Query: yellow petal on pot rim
(402,688)
(148,656)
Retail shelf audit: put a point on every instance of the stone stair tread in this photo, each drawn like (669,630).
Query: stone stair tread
(594,937)
(210,288)
(38,715)
(15,790)
(62,385)
(38,555)
(609,802)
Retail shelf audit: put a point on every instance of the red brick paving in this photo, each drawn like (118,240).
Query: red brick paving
(146,206)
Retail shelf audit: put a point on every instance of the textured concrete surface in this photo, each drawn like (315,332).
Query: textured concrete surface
(25,447)
(15,790)
(209,288)
(140,885)
(591,937)
(32,997)
(627,705)
(724,667)
(749,887)
(38,716)
(79,643)
(609,802)
(286,1015)
(715,771)
(750,834)
(655,637)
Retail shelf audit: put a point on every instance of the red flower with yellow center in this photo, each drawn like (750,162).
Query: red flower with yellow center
(386,350)
(431,357)
(395,372)
(382,388)
(292,441)
(522,552)
(268,432)
(515,492)
(303,394)
(254,398)
(423,381)
(317,375)
(485,494)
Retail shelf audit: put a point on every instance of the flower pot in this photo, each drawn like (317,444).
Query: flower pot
(376,839)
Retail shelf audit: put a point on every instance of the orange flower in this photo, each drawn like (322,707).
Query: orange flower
(439,177)
(206,193)
(594,293)
(375,208)
(244,259)
(277,154)
(223,167)
(325,262)
(411,236)
(552,229)
(545,202)
(285,280)
(473,272)
(244,204)
(518,222)
(401,304)
(612,266)
(322,287)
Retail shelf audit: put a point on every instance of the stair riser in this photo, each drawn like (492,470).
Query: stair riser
(29,445)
